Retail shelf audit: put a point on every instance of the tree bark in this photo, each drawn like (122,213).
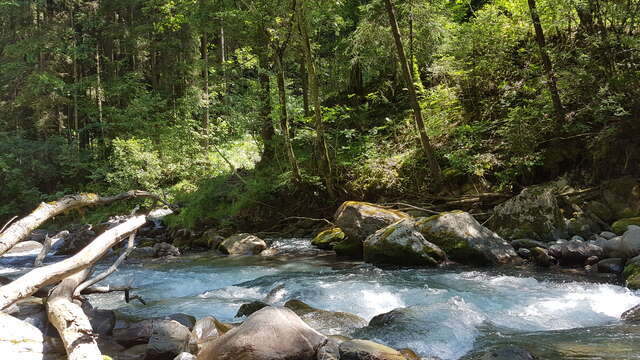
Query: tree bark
(71,322)
(546,62)
(413,97)
(284,116)
(205,73)
(267,131)
(46,246)
(324,161)
(19,230)
(30,282)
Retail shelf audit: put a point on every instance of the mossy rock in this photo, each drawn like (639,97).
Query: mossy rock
(349,248)
(358,219)
(326,239)
(623,197)
(402,244)
(465,240)
(631,273)
(620,226)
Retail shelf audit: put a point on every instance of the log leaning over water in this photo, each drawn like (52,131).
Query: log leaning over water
(37,278)
(20,229)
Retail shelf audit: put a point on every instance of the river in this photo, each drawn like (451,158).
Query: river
(449,313)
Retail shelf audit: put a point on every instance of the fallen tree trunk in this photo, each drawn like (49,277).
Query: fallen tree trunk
(71,322)
(19,230)
(30,282)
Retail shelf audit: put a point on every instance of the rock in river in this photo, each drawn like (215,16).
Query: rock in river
(326,322)
(358,220)
(242,244)
(269,334)
(465,240)
(367,350)
(401,244)
(327,238)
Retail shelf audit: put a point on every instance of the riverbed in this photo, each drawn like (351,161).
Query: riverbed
(450,313)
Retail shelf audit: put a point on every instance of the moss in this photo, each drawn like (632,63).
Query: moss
(349,248)
(391,253)
(326,239)
(633,282)
(620,226)
(630,270)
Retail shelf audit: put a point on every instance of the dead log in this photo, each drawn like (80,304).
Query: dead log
(30,282)
(19,230)
(71,322)
(106,289)
(110,270)
(46,246)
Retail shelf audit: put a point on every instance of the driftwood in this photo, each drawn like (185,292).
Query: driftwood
(46,246)
(106,289)
(71,322)
(19,230)
(110,270)
(7,224)
(35,279)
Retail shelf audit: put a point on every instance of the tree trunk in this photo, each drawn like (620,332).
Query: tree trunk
(324,161)
(305,89)
(413,97)
(546,62)
(35,279)
(71,322)
(267,131)
(205,73)
(284,117)
(19,230)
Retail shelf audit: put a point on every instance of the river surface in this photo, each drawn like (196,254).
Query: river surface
(450,313)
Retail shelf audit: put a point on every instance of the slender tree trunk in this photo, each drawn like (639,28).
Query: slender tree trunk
(267,131)
(305,88)
(99,95)
(205,73)
(546,62)
(284,117)
(413,97)
(324,161)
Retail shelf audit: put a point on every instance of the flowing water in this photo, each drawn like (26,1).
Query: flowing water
(448,314)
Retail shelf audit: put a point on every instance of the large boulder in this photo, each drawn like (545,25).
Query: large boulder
(401,244)
(168,339)
(625,246)
(205,330)
(622,197)
(534,213)
(326,322)
(242,244)
(349,247)
(28,246)
(631,273)
(465,240)
(269,334)
(20,340)
(367,350)
(327,238)
(358,220)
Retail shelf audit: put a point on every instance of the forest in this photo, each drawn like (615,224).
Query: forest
(420,121)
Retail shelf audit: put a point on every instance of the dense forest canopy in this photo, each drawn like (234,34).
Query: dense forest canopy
(230,102)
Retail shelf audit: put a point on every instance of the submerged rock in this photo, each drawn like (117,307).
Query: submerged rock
(327,238)
(508,353)
(269,334)
(465,240)
(249,308)
(242,244)
(367,350)
(326,322)
(402,244)
(358,220)
(534,213)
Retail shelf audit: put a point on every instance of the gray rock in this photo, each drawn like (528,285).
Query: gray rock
(577,238)
(608,235)
(534,213)
(204,330)
(250,308)
(242,244)
(168,339)
(575,252)
(625,246)
(367,350)
(268,334)
(326,322)
(102,321)
(20,340)
(143,252)
(528,244)
(611,266)
(401,244)
(358,220)
(508,353)
(592,260)
(162,250)
(465,240)
(184,319)
(26,247)
(524,253)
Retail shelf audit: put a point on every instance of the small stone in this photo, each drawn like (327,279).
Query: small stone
(524,253)
(608,235)
(591,260)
